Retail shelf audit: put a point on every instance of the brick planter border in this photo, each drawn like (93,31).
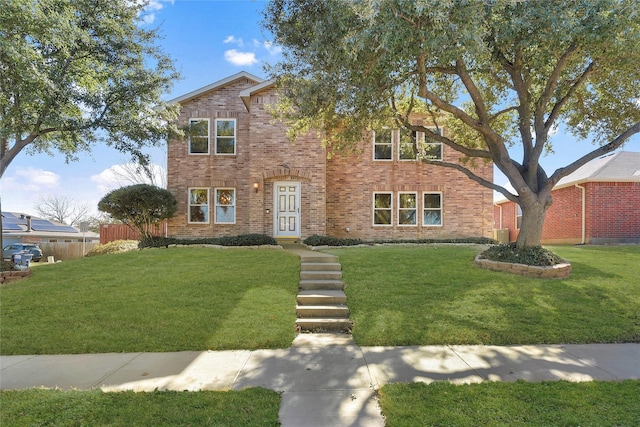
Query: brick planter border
(558,271)
(9,276)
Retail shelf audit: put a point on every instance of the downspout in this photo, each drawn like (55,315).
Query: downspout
(584,213)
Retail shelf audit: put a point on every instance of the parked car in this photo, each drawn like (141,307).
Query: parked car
(15,248)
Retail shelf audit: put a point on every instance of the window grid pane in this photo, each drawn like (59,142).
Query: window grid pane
(199,136)
(432,209)
(382,144)
(382,205)
(225,206)
(225,136)
(199,205)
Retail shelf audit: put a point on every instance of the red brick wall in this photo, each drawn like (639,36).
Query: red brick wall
(613,211)
(335,194)
(563,222)
(352,180)
(612,214)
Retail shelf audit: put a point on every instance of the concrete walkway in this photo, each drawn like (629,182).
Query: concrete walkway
(325,379)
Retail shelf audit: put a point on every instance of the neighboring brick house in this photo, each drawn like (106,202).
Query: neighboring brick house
(599,203)
(239,174)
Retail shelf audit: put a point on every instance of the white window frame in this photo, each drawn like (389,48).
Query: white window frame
(234,137)
(189,205)
(518,217)
(374,209)
(217,205)
(390,144)
(414,209)
(425,209)
(208,136)
(418,136)
(424,143)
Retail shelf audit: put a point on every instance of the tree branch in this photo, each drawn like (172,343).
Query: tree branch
(600,151)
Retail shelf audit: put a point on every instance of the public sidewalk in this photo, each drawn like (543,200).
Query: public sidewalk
(325,379)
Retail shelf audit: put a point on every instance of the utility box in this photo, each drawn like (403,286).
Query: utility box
(501,235)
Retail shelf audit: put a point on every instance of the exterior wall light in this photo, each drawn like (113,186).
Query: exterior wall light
(256,186)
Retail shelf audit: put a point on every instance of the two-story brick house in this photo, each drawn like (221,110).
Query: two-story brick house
(238,173)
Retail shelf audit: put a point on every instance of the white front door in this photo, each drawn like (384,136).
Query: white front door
(287,209)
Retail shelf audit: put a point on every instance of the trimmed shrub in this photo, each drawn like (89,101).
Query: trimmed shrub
(241,240)
(115,247)
(316,240)
(8,266)
(536,256)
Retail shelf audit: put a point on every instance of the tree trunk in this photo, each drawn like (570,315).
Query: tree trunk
(533,214)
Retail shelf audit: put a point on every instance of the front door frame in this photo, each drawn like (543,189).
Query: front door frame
(286,219)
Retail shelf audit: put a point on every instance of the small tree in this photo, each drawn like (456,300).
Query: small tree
(140,206)
(62,209)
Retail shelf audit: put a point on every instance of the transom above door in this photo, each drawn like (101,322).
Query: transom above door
(287,209)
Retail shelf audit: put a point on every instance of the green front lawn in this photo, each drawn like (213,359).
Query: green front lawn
(558,403)
(154,300)
(37,407)
(433,294)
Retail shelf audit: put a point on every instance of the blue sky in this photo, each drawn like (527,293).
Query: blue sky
(208,40)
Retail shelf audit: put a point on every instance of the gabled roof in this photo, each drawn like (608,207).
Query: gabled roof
(621,166)
(245,95)
(216,85)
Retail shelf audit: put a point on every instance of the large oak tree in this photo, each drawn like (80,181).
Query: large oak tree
(77,72)
(496,73)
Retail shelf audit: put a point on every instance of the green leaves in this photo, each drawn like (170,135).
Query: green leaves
(140,206)
(74,73)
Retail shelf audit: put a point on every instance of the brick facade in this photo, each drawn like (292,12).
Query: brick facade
(611,214)
(336,194)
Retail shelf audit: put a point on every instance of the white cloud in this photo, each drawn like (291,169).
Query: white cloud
(271,48)
(147,15)
(32,179)
(240,58)
(127,174)
(233,39)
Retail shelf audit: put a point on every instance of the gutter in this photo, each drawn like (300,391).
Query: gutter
(584,213)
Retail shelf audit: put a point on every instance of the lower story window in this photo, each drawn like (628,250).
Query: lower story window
(382,206)
(199,205)
(432,209)
(407,205)
(518,217)
(225,206)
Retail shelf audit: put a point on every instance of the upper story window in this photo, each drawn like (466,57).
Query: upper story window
(225,206)
(383,144)
(225,136)
(198,205)
(407,145)
(431,149)
(198,136)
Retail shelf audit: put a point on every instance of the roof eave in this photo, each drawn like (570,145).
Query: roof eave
(215,85)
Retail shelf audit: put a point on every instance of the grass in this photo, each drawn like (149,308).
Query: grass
(557,403)
(39,407)
(198,298)
(154,300)
(427,295)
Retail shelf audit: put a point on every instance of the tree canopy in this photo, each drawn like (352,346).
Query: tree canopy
(140,206)
(495,72)
(78,72)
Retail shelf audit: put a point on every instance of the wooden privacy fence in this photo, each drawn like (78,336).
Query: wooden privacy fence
(65,250)
(111,232)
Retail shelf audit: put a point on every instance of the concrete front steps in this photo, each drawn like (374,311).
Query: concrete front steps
(321,302)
